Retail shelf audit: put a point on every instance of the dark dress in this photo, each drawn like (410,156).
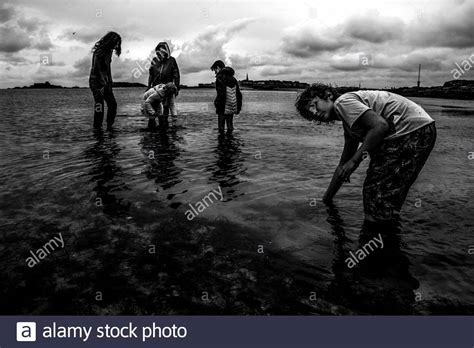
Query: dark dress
(100,83)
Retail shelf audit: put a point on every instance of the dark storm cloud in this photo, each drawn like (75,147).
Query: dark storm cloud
(82,67)
(15,59)
(198,54)
(428,61)
(306,42)
(374,28)
(352,65)
(434,34)
(13,39)
(454,27)
(18,32)
(30,24)
(6,13)
(431,59)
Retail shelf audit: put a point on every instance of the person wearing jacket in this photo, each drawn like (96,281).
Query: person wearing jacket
(100,79)
(153,100)
(229,98)
(164,69)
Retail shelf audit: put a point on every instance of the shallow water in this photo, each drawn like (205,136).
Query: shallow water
(119,200)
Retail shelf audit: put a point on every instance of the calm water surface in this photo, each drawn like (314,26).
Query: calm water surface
(119,200)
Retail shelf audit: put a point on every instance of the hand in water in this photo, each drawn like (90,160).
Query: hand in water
(346,170)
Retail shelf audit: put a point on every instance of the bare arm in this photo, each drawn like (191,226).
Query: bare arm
(350,148)
(376,127)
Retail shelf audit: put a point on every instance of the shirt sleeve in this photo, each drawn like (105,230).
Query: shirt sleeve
(350,108)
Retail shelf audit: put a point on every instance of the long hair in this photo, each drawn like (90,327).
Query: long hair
(110,41)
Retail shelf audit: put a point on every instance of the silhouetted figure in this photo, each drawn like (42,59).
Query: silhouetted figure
(228,101)
(100,80)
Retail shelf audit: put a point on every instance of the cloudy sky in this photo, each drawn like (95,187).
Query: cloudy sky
(377,43)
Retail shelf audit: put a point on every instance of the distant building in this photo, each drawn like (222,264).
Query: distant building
(272,84)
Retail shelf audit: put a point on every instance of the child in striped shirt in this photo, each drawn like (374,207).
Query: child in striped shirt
(228,101)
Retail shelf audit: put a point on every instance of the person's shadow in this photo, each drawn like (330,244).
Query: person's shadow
(229,163)
(381,282)
(106,173)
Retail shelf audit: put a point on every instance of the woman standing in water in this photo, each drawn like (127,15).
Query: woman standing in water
(164,69)
(100,80)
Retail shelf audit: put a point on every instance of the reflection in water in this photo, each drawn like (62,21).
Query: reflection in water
(381,282)
(105,173)
(161,151)
(228,162)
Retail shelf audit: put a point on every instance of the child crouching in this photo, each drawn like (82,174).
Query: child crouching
(152,105)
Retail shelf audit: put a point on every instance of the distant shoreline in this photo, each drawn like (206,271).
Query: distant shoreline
(455,89)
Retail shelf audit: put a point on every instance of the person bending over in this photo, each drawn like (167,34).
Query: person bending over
(100,79)
(396,132)
(153,101)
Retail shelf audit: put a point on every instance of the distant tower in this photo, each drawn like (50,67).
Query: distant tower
(419,71)
(359,84)
(247,77)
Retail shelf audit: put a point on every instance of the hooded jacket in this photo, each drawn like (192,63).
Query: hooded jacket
(164,70)
(229,97)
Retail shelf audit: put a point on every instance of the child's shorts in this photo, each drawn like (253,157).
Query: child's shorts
(393,168)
